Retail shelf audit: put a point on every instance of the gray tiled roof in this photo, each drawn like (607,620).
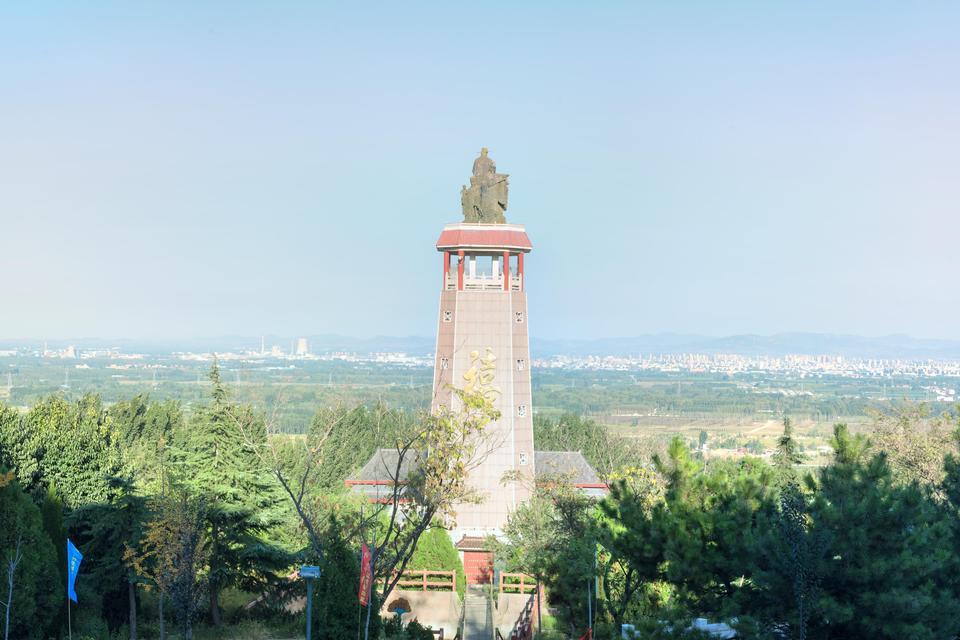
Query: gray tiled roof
(570,466)
(375,479)
(383,464)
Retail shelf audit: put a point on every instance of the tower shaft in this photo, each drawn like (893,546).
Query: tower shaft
(483,306)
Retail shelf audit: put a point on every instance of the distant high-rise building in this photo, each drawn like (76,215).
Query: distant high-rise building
(302,349)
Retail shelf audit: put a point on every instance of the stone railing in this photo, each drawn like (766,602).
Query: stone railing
(483,282)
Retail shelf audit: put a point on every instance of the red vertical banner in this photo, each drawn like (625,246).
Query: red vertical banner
(366,576)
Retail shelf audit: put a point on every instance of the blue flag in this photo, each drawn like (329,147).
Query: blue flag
(74,558)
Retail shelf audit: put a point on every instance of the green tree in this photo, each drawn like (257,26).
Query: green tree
(146,430)
(29,592)
(574,569)
(69,445)
(606,452)
(889,567)
(107,531)
(173,554)
(529,543)
(788,455)
(347,437)
(914,441)
(711,516)
(634,538)
(335,606)
(551,538)
(785,565)
(243,505)
(51,513)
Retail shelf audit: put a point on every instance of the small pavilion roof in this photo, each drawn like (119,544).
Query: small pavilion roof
(471,235)
(471,543)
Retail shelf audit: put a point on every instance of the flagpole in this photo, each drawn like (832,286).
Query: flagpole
(69,622)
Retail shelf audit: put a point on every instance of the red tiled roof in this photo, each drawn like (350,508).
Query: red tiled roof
(471,543)
(492,238)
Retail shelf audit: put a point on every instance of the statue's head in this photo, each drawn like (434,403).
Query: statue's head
(483,151)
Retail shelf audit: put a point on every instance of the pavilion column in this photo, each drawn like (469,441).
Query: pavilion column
(446,269)
(506,271)
(523,285)
(460,270)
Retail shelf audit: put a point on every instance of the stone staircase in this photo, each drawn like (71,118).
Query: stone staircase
(477,614)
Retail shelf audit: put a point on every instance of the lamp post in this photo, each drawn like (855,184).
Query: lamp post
(309,573)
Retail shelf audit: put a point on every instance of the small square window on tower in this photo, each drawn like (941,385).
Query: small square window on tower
(521,364)
(447,316)
(444,363)
(523,458)
(522,411)
(519,316)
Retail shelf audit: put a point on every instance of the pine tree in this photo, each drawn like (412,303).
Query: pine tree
(787,456)
(788,453)
(888,570)
(242,502)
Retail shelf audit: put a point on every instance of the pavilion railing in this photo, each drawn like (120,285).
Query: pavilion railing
(517,583)
(416,580)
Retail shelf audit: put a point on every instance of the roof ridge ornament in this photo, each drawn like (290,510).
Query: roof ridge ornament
(485,200)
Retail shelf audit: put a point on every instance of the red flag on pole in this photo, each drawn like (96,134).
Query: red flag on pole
(366,576)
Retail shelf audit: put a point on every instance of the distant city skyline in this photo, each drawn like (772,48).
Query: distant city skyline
(172,171)
(894,347)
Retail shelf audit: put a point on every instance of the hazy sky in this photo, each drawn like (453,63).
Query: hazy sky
(169,169)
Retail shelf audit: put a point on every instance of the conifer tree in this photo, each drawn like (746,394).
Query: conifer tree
(888,570)
(242,502)
(787,456)
(788,453)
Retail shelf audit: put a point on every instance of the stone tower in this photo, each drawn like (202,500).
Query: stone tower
(483,304)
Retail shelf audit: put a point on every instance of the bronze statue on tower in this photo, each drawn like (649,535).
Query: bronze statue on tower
(485,199)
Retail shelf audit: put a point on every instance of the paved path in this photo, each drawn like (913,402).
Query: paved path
(477,616)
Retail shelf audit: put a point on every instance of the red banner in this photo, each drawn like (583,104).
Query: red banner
(366,576)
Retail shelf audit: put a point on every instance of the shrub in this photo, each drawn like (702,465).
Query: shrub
(435,552)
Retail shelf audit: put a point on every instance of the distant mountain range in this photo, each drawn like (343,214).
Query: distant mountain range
(884,347)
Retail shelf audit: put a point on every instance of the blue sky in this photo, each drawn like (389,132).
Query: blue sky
(169,169)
